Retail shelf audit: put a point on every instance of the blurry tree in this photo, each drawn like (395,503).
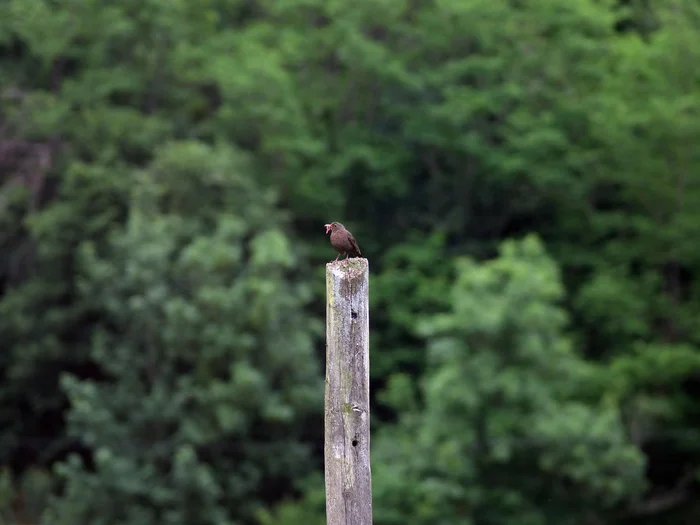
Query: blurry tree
(503,431)
(414,272)
(437,128)
(639,308)
(434,129)
(207,352)
(88,91)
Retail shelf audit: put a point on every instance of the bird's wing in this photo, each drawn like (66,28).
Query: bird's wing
(353,242)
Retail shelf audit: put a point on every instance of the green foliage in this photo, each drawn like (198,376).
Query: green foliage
(310,510)
(503,433)
(165,171)
(409,271)
(23,500)
(44,331)
(205,348)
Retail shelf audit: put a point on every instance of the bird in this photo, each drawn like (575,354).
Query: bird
(342,241)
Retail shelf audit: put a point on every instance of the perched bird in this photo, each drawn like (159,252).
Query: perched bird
(342,240)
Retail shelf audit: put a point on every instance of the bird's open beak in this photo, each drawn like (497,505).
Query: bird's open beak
(328,228)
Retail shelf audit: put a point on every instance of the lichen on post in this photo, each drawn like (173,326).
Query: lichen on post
(347,450)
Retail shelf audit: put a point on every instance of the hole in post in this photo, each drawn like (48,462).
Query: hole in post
(354,314)
(354,442)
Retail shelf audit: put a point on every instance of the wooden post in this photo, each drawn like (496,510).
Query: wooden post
(347,466)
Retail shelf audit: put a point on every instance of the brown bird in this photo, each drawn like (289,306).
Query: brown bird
(342,240)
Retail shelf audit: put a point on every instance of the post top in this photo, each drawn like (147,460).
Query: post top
(348,267)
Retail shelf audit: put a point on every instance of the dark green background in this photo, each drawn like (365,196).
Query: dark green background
(523,176)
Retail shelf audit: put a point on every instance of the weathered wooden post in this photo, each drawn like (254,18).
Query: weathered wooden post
(347,466)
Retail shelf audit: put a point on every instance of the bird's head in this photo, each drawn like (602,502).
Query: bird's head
(332,227)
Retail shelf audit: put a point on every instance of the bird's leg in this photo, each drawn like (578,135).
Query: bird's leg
(336,259)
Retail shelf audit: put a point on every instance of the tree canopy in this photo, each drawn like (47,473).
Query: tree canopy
(523,177)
